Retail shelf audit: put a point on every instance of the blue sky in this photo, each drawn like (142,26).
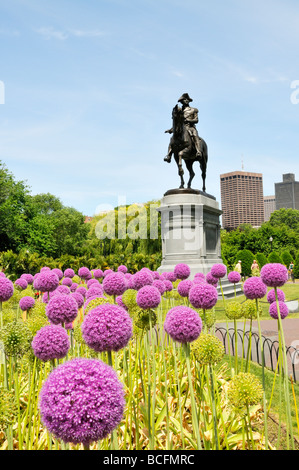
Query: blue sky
(90,86)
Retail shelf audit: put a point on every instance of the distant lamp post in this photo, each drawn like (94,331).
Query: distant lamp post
(271,242)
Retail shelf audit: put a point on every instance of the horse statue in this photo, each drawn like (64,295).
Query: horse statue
(183,148)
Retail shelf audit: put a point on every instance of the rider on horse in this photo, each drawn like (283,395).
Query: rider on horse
(190,119)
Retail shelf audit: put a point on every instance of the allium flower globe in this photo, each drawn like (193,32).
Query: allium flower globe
(283,310)
(171,276)
(58,273)
(184,287)
(159,285)
(82,401)
(69,272)
(28,277)
(26,303)
(218,270)
(46,281)
(94,290)
(98,273)
(274,274)
(142,278)
(84,273)
(204,296)
(78,298)
(234,277)
(62,309)
(182,271)
(210,279)
(148,297)
(168,285)
(6,289)
(82,290)
(21,284)
(254,288)
(122,269)
(115,284)
(208,349)
(51,342)
(107,328)
(67,282)
(271,297)
(183,324)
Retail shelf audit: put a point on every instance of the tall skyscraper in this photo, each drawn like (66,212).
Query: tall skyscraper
(287,193)
(270,206)
(242,199)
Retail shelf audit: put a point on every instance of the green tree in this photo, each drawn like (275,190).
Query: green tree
(286,258)
(12,210)
(261,259)
(247,257)
(288,217)
(296,267)
(274,257)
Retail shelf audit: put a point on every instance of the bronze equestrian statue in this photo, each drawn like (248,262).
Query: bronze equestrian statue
(185,144)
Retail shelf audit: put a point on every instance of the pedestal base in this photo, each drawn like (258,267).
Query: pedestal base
(190,232)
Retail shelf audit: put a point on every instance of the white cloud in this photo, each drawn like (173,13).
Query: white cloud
(51,33)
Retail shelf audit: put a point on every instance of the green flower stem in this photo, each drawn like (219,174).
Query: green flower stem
(214,407)
(186,348)
(263,374)
(114,443)
(284,372)
(178,381)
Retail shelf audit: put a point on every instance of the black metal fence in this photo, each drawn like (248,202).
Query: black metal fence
(248,343)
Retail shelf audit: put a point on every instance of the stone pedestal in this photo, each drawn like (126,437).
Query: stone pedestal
(190,231)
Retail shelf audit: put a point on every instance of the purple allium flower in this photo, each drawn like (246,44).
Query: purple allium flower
(254,288)
(218,270)
(142,278)
(90,282)
(171,276)
(3,275)
(50,342)
(84,273)
(58,273)
(184,287)
(156,275)
(28,277)
(122,269)
(82,401)
(234,277)
(168,285)
(62,290)
(283,309)
(107,328)
(46,281)
(98,273)
(182,271)
(62,309)
(107,271)
(6,289)
(210,279)
(95,291)
(200,276)
(183,324)
(120,303)
(272,298)
(159,284)
(73,287)
(26,303)
(203,296)
(78,298)
(21,283)
(148,297)
(66,282)
(82,290)
(274,274)
(199,280)
(69,272)
(115,284)
(45,269)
